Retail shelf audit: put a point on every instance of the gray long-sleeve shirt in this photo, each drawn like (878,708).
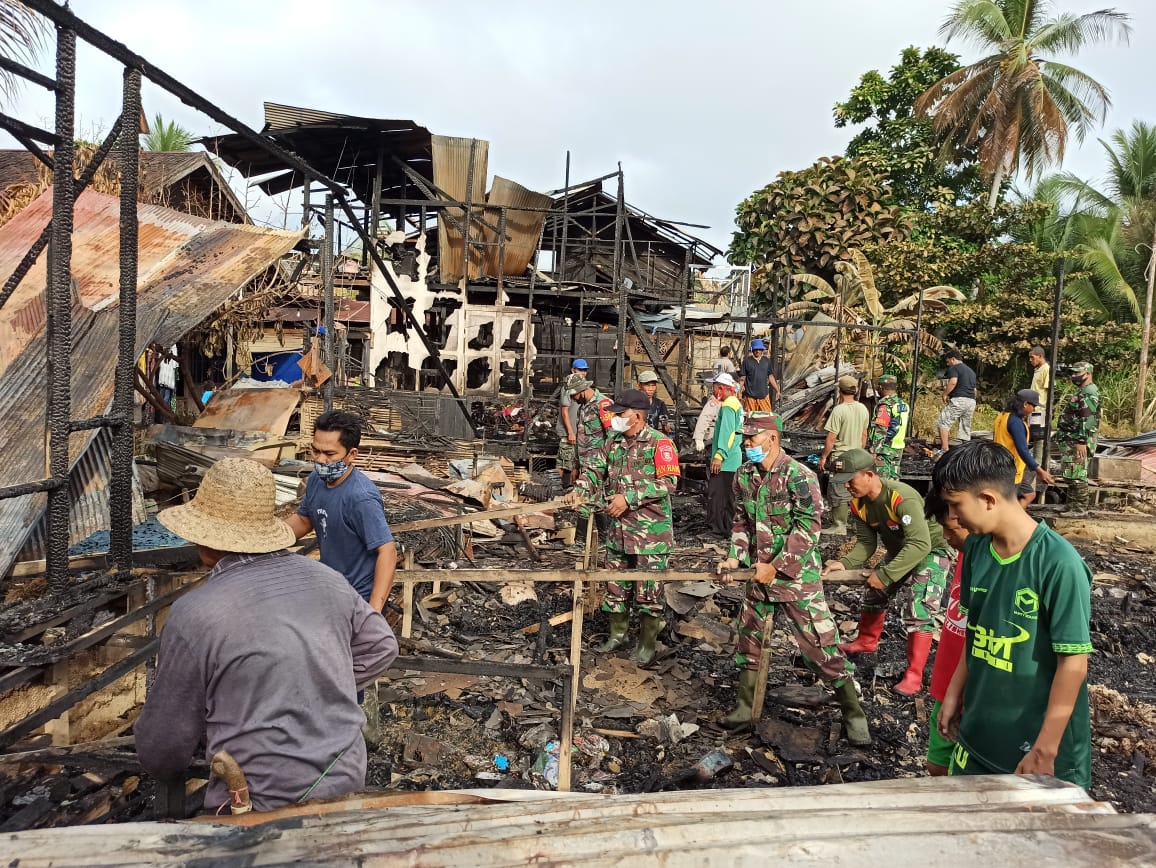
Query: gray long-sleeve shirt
(264,660)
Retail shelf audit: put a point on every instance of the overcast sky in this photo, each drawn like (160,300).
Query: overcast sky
(701,102)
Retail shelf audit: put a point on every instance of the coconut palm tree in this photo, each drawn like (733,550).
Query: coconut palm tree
(22,35)
(168,136)
(1019,103)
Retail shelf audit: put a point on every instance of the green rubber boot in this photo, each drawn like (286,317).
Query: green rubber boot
(839,516)
(648,629)
(741,715)
(619,623)
(854,720)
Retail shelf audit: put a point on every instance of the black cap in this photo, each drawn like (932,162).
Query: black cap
(631,399)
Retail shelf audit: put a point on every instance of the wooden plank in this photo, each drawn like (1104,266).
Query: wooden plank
(407,606)
(763,671)
(845,577)
(553,622)
(49,754)
(170,554)
(485,515)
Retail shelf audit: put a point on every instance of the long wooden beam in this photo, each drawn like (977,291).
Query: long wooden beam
(840,577)
(470,517)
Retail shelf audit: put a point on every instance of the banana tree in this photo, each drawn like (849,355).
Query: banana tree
(855,298)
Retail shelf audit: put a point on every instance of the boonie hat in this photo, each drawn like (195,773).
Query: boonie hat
(648,377)
(1028,396)
(580,364)
(848,382)
(631,399)
(723,379)
(577,383)
(232,511)
(1082,368)
(757,344)
(851,462)
(888,380)
(753,423)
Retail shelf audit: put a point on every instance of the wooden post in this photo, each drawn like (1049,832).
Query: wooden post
(407,607)
(764,669)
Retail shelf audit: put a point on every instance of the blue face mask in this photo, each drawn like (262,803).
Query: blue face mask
(330,472)
(755,454)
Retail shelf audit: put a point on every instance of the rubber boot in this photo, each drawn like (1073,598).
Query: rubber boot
(619,624)
(839,516)
(371,731)
(854,720)
(648,628)
(870,629)
(740,716)
(1077,501)
(918,647)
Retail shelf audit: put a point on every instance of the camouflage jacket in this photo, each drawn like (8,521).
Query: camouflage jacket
(895,519)
(777,520)
(593,423)
(1080,419)
(643,469)
(889,415)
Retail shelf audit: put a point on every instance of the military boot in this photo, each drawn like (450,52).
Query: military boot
(1077,501)
(648,630)
(839,518)
(741,715)
(854,720)
(619,623)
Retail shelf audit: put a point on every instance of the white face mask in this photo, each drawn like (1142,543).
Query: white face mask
(619,424)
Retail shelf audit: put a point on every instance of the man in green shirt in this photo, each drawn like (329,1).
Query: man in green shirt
(1018,702)
(846,429)
(726,456)
(917,565)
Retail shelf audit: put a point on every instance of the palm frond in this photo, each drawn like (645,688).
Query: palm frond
(22,34)
(981,22)
(1100,257)
(1084,295)
(1068,33)
(867,283)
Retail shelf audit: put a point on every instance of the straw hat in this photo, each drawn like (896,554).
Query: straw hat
(232,511)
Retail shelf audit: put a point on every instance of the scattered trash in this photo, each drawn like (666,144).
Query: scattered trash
(712,765)
(501,762)
(546,765)
(538,737)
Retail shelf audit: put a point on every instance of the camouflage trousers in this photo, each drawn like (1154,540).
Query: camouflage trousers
(922,591)
(647,594)
(1072,468)
(811,624)
(887,461)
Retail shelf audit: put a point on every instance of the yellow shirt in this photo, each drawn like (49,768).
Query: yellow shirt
(1040,384)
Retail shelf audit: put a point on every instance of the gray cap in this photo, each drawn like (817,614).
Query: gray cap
(648,377)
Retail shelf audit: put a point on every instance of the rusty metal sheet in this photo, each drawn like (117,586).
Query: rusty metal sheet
(523,228)
(451,172)
(188,266)
(266,410)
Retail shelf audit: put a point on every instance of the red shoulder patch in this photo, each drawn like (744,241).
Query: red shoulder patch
(604,415)
(666,459)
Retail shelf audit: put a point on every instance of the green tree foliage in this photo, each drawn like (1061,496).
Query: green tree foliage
(167,136)
(904,144)
(807,221)
(1018,103)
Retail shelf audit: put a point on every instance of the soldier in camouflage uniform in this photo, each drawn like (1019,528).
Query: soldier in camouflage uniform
(887,434)
(593,418)
(776,530)
(631,478)
(916,567)
(1076,434)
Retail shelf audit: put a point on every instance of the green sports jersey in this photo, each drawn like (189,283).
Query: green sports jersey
(1022,613)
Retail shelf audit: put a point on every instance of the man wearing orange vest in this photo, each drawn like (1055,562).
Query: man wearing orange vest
(1011,432)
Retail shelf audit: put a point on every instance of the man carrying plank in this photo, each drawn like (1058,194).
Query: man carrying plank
(776,529)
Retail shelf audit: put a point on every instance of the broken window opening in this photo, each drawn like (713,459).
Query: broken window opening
(397,319)
(484,339)
(436,319)
(513,341)
(394,372)
(431,378)
(478,374)
(510,382)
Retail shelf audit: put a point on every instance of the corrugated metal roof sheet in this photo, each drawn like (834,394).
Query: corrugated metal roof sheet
(187,267)
(524,228)
(451,173)
(159,170)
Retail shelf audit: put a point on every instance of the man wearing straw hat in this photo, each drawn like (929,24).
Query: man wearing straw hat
(264,658)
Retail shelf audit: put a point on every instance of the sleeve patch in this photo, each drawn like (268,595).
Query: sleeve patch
(666,460)
(605,415)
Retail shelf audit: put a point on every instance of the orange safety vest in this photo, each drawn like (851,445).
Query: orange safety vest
(1003,437)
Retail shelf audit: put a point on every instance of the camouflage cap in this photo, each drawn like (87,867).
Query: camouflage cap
(851,462)
(753,423)
(1082,368)
(888,380)
(576,383)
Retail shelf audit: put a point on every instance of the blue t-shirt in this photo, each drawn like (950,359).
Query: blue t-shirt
(350,524)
